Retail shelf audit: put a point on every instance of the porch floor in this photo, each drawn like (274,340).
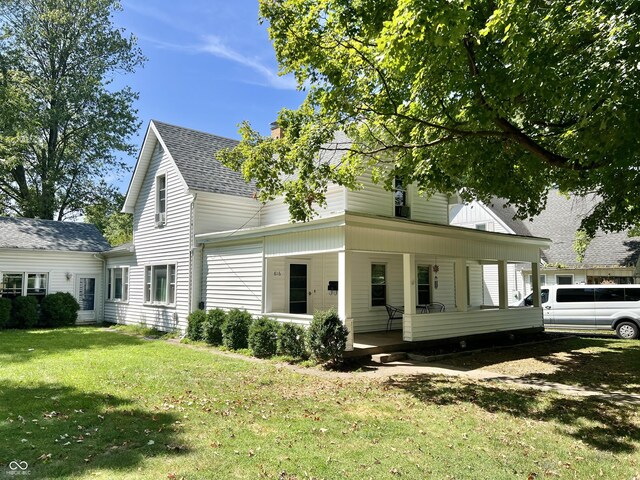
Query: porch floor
(377,342)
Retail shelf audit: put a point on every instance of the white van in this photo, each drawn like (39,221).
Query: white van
(591,307)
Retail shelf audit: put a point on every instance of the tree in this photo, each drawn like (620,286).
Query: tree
(62,120)
(106,214)
(502,97)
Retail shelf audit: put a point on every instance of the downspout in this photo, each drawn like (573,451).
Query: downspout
(100,257)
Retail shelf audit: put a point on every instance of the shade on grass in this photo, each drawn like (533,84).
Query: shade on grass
(86,403)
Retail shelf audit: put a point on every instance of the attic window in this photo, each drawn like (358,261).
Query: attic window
(161,199)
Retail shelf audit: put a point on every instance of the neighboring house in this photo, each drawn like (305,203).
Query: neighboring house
(610,257)
(202,240)
(38,257)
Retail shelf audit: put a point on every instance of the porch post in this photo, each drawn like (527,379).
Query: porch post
(503,286)
(409,275)
(461,284)
(535,283)
(344,293)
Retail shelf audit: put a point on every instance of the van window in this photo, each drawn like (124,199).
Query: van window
(610,295)
(632,294)
(544,295)
(565,295)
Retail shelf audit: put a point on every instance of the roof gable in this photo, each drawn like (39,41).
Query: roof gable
(34,234)
(560,221)
(194,154)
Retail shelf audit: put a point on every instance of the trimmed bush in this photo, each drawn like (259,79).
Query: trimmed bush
(5,313)
(327,337)
(263,337)
(195,321)
(212,327)
(235,331)
(291,340)
(59,309)
(24,313)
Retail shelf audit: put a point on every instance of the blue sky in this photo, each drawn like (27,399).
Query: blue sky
(209,66)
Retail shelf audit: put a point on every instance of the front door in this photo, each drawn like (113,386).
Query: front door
(87,298)
(298,288)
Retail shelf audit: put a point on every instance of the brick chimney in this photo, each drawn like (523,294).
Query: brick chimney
(276,130)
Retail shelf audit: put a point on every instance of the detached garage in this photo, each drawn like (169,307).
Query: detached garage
(38,257)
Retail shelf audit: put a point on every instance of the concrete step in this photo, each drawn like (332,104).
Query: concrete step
(388,357)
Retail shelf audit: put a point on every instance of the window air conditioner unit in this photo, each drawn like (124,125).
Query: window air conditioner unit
(160,219)
(403,211)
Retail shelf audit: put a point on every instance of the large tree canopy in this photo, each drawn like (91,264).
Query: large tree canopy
(62,120)
(503,97)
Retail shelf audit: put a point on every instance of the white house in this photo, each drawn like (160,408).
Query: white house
(202,240)
(610,257)
(38,257)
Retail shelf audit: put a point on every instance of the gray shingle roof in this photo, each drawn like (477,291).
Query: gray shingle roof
(195,155)
(50,235)
(559,221)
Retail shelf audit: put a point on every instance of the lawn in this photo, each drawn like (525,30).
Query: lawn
(87,403)
(592,363)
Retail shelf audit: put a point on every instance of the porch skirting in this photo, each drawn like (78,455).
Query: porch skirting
(434,326)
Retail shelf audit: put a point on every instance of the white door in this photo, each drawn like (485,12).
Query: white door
(86,298)
(299,294)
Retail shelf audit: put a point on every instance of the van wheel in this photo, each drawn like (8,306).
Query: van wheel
(627,330)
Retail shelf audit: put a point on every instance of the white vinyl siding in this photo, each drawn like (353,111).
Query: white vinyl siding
(218,213)
(62,270)
(277,212)
(473,214)
(159,246)
(233,277)
(435,326)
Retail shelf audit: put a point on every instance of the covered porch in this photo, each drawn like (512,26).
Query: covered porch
(359,264)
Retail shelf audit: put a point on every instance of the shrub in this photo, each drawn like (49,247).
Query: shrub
(263,337)
(59,309)
(24,313)
(212,327)
(5,312)
(235,331)
(327,337)
(291,340)
(195,321)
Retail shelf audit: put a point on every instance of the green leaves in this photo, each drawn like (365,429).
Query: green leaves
(504,98)
(63,122)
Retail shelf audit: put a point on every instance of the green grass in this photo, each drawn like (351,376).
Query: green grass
(89,403)
(593,363)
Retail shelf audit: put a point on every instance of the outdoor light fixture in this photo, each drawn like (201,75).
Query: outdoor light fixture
(68,275)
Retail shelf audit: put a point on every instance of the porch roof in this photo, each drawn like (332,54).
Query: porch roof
(356,231)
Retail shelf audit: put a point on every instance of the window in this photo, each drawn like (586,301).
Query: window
(564,279)
(161,199)
(566,295)
(118,284)
(160,284)
(400,198)
(543,280)
(424,290)
(610,295)
(378,284)
(632,294)
(20,284)
(481,226)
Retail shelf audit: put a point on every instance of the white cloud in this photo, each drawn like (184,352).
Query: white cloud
(214,46)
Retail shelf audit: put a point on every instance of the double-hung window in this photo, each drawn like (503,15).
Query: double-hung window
(18,284)
(160,284)
(378,284)
(161,199)
(424,289)
(118,284)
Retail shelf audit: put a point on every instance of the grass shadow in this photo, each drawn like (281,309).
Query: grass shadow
(25,345)
(602,425)
(591,363)
(62,432)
